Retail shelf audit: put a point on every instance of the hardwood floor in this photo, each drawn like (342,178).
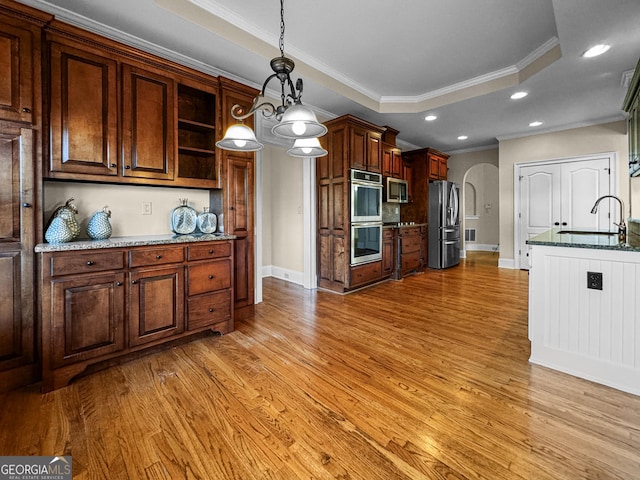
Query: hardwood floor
(426,378)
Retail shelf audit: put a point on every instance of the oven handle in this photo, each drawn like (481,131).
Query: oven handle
(366,184)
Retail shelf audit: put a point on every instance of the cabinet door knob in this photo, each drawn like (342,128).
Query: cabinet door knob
(556,223)
(134,282)
(26,205)
(210,310)
(127,167)
(113,165)
(26,110)
(211,277)
(118,284)
(158,257)
(90,263)
(210,252)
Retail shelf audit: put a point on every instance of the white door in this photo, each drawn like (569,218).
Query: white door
(562,195)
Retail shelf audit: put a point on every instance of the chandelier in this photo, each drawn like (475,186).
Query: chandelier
(295,121)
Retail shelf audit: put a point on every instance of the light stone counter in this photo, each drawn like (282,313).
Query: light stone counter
(136,241)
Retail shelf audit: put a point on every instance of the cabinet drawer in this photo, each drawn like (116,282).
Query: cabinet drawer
(410,244)
(70,263)
(387,233)
(156,256)
(366,273)
(209,276)
(209,309)
(408,231)
(209,250)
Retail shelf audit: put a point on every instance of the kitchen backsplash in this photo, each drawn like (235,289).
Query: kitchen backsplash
(390,212)
(126,203)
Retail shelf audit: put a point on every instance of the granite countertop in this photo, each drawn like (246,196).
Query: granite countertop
(135,241)
(593,241)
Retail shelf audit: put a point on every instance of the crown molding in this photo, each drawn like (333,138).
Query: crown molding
(570,126)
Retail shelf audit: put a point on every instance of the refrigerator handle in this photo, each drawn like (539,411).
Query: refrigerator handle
(453,202)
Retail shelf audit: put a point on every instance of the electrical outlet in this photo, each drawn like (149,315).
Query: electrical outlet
(594,280)
(146,208)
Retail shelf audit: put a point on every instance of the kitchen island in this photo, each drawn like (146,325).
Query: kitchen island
(584,305)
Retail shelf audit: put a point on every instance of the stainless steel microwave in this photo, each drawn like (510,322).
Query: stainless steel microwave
(396,190)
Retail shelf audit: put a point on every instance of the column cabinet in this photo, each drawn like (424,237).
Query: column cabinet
(20,189)
(351,143)
(239,198)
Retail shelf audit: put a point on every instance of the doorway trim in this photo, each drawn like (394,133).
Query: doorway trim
(613,186)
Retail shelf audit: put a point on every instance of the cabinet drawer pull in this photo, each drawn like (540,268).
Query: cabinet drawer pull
(90,263)
(127,167)
(210,310)
(26,205)
(158,257)
(211,277)
(118,284)
(26,110)
(211,252)
(134,282)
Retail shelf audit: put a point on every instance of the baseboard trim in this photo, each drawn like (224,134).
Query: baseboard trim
(507,263)
(285,274)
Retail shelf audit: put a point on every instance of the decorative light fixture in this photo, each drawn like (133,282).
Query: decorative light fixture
(295,121)
(307,147)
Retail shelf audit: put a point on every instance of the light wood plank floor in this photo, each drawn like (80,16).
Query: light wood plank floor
(426,378)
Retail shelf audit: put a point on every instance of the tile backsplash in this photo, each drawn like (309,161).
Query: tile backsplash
(390,212)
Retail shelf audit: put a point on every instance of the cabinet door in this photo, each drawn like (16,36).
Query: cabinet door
(387,161)
(156,304)
(148,120)
(387,251)
(407,174)
(374,163)
(358,148)
(396,162)
(16,250)
(87,318)
(442,168)
(83,112)
(16,81)
(434,167)
(240,180)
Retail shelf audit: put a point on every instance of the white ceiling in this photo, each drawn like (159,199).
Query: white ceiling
(393,62)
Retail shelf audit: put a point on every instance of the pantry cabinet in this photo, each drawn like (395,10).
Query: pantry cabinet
(100,305)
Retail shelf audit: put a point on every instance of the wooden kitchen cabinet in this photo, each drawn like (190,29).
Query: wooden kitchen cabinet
(350,143)
(20,52)
(120,115)
(409,245)
(239,195)
(147,123)
(83,112)
(100,305)
(156,293)
(17,275)
(388,259)
(426,164)
(437,165)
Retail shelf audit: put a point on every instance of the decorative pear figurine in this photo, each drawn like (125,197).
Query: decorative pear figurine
(207,221)
(99,227)
(67,212)
(58,231)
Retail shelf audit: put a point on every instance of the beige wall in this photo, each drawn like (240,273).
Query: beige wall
(282,222)
(484,179)
(125,203)
(609,137)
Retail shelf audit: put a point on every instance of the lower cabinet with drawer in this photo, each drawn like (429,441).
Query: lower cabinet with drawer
(409,251)
(101,305)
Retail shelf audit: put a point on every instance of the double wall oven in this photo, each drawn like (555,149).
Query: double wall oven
(366,217)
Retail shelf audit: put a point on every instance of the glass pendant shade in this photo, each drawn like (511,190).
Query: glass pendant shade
(297,122)
(307,147)
(239,138)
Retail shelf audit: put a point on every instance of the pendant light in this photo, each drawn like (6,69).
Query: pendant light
(307,147)
(296,121)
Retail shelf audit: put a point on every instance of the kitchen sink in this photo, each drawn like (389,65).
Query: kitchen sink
(586,232)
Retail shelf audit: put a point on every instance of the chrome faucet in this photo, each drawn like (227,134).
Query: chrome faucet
(622,227)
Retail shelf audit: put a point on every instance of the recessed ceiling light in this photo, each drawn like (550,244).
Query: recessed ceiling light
(462,137)
(596,50)
(535,124)
(518,95)
(430,118)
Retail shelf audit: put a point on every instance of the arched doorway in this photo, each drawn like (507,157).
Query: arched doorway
(480,209)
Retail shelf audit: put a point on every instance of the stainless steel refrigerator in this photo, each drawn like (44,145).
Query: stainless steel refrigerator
(444,224)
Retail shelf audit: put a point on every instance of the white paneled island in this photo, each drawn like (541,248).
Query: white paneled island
(584,306)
